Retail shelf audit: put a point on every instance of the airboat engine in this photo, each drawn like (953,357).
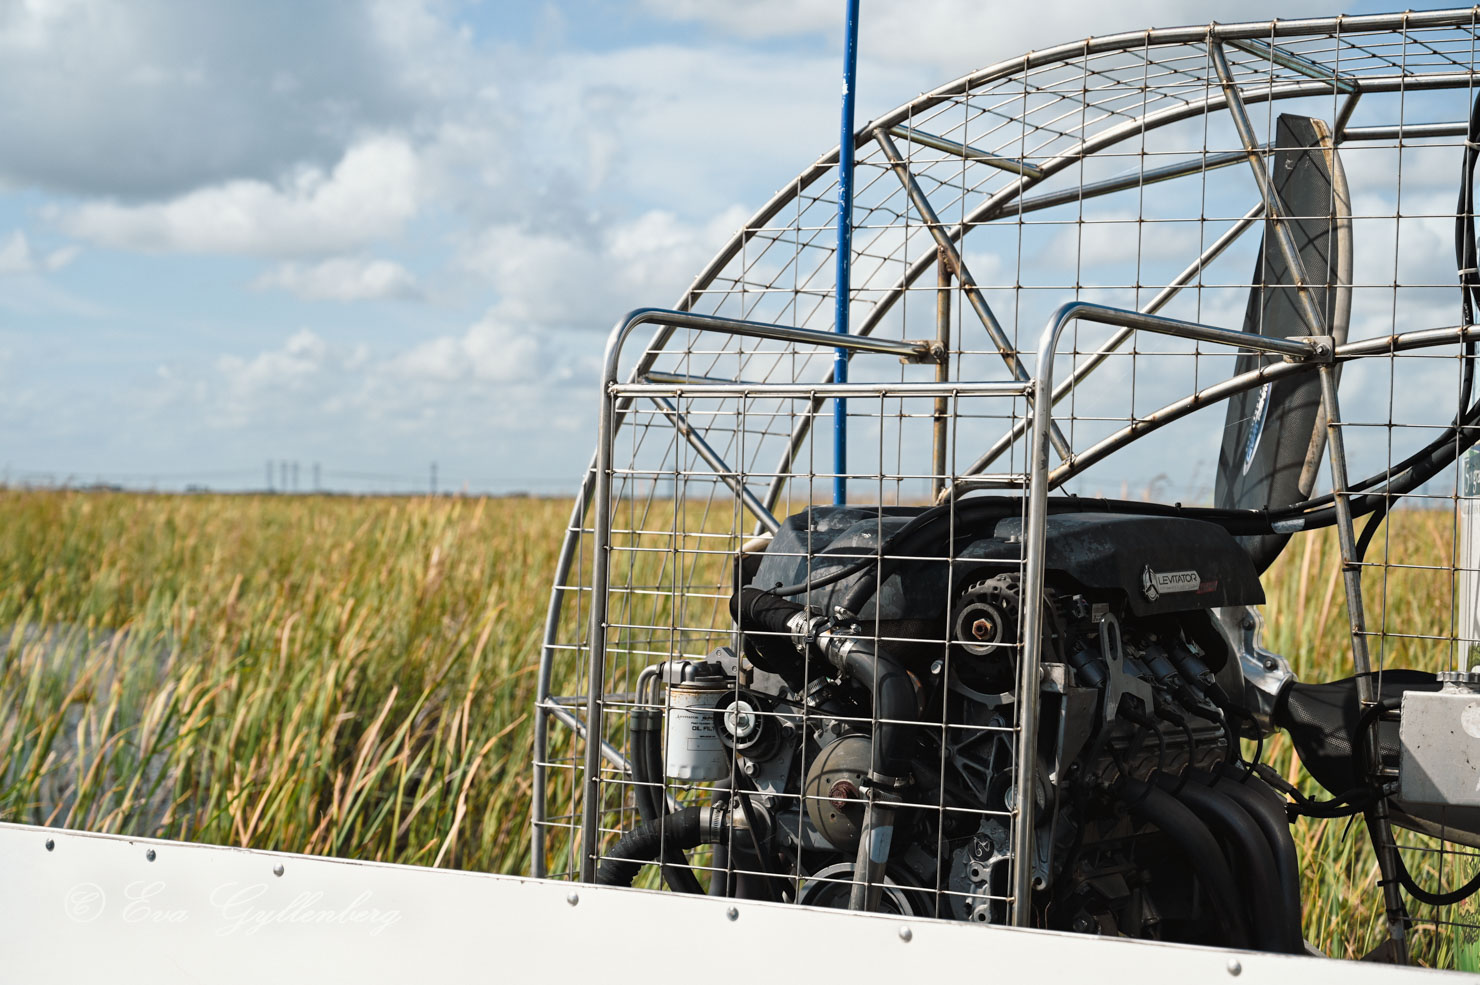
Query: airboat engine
(888,724)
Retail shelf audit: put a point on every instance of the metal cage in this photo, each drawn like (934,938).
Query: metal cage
(1051,291)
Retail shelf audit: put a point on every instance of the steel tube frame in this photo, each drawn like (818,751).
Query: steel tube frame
(1084,369)
(1408,131)
(1344,116)
(964,151)
(1260,48)
(1381,346)
(602,507)
(1036,536)
(1274,209)
(658,376)
(999,205)
(1125,182)
(931,388)
(539,817)
(1377,823)
(947,248)
(712,458)
(1177,409)
(940,424)
(1079,49)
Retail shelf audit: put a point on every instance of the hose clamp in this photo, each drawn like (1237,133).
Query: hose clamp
(887,784)
(804,629)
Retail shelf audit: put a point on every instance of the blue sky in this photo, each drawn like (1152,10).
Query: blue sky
(374,235)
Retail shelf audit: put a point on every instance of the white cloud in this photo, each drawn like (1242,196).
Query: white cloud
(300,358)
(370,194)
(342,279)
(588,277)
(154,97)
(490,351)
(17,256)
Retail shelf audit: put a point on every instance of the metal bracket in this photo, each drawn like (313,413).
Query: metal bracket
(1322,350)
(929,351)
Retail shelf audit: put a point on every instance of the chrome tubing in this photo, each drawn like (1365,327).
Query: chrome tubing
(602,514)
(1036,533)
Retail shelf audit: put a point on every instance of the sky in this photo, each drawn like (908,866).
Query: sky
(372,235)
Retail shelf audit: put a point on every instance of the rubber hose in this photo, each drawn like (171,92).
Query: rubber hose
(640,846)
(1249,853)
(1157,807)
(719,882)
(1267,808)
(887,682)
(756,609)
(647,771)
(894,699)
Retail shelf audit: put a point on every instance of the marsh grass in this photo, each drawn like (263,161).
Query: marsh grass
(355,676)
(348,677)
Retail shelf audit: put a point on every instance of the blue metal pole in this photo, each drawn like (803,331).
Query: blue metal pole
(845,252)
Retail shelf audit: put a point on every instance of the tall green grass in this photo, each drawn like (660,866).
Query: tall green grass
(349,677)
(355,676)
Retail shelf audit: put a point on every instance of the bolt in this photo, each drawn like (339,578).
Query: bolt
(277,870)
(50,844)
(841,793)
(1271,664)
(149,855)
(906,934)
(982,628)
(937,667)
(1234,968)
(751,769)
(788,730)
(572,897)
(732,913)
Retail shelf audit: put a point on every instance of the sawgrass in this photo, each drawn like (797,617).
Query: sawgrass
(336,676)
(355,677)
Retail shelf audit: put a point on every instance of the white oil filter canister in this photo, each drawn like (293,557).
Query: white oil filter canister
(692,747)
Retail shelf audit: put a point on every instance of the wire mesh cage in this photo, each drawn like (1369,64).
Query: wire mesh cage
(1161,344)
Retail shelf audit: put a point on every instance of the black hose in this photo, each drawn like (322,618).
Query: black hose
(1267,808)
(647,770)
(1155,806)
(1249,855)
(1370,530)
(683,830)
(719,881)
(771,649)
(890,686)
(1431,898)
(895,701)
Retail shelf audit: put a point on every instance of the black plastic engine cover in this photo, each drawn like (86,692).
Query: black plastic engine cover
(1160,564)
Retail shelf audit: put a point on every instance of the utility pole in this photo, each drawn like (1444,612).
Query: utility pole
(434,478)
(283,473)
(295,475)
(317,486)
(269,475)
